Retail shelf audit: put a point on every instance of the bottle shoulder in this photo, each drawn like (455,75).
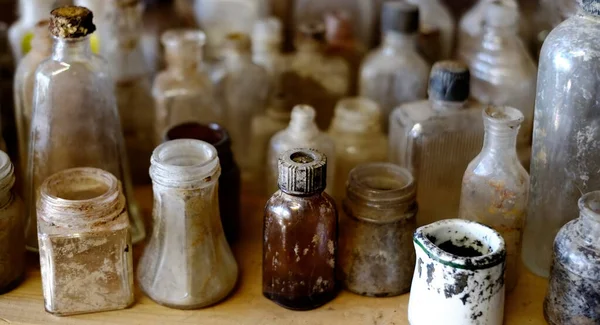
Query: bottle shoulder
(422,118)
(78,69)
(379,61)
(285,206)
(193,84)
(576,254)
(574,40)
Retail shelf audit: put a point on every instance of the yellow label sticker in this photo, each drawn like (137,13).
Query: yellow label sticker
(26,42)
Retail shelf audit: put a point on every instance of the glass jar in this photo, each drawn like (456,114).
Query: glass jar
(75,120)
(437,29)
(436,139)
(395,73)
(85,243)
(300,234)
(266,50)
(376,257)
(20,32)
(187,263)
(495,185)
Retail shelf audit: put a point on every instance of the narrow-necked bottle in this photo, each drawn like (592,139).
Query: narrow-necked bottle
(266,49)
(300,234)
(565,156)
(21,31)
(437,29)
(437,138)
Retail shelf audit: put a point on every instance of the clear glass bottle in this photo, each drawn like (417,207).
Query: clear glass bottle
(495,185)
(356,132)
(183,92)
(503,72)
(436,139)
(187,263)
(395,73)
(437,29)
(300,234)
(574,290)
(376,256)
(266,49)
(302,132)
(565,155)
(85,243)
(75,120)
(21,31)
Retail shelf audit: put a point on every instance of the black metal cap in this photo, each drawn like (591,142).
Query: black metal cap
(590,6)
(449,81)
(302,172)
(399,16)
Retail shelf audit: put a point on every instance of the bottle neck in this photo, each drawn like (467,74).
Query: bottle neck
(588,227)
(494,37)
(71,49)
(394,42)
(357,115)
(302,123)
(42,43)
(33,11)
(500,138)
(182,60)
(446,106)
(123,26)
(235,58)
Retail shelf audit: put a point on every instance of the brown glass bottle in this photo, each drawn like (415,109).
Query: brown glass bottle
(300,234)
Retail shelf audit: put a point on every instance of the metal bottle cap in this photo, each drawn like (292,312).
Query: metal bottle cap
(71,22)
(302,172)
(449,81)
(399,16)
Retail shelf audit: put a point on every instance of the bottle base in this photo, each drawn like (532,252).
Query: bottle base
(301,303)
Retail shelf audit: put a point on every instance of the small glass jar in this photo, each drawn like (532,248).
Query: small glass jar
(377,257)
(85,243)
(187,263)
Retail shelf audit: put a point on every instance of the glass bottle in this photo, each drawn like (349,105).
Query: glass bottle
(20,32)
(85,243)
(503,72)
(356,132)
(183,92)
(302,132)
(574,290)
(437,29)
(12,229)
(187,263)
(437,138)
(395,73)
(75,120)
(376,256)
(266,49)
(98,8)
(300,234)
(495,185)
(565,155)
(313,78)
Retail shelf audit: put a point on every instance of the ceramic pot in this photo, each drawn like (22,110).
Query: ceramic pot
(459,275)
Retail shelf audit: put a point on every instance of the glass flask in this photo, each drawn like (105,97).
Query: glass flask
(183,92)
(395,73)
(503,72)
(7,76)
(356,132)
(574,291)
(565,155)
(187,263)
(314,78)
(75,121)
(302,132)
(21,31)
(266,49)
(376,256)
(85,243)
(437,29)
(495,185)
(437,138)
(300,234)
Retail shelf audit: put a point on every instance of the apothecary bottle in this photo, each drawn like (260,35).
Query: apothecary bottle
(436,30)
(20,33)
(356,132)
(436,139)
(495,185)
(376,256)
(187,263)
(75,120)
(395,73)
(300,234)
(183,92)
(565,155)
(267,40)
(85,243)
(302,132)
(574,289)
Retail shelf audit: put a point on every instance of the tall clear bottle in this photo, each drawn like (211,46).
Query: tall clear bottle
(266,49)
(437,138)
(565,156)
(437,29)
(75,120)
(395,73)
(21,31)
(495,185)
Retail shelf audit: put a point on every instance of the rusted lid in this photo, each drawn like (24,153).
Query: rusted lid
(71,22)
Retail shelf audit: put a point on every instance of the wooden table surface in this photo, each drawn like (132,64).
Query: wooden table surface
(246,305)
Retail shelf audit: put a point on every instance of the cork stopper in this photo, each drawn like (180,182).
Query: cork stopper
(302,172)
(238,42)
(314,31)
(590,6)
(71,22)
(501,13)
(400,17)
(449,81)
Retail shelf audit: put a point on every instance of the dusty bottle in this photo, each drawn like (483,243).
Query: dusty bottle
(395,73)
(187,263)
(20,33)
(437,30)
(436,139)
(75,120)
(356,132)
(376,248)
(302,132)
(300,234)
(266,50)
(495,185)
(574,290)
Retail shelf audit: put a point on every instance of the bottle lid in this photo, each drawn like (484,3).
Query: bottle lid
(449,81)
(302,172)
(71,22)
(501,13)
(590,6)
(311,31)
(237,41)
(399,16)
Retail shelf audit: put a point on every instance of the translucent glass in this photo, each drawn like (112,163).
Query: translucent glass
(565,155)
(266,50)
(437,24)
(187,263)
(21,31)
